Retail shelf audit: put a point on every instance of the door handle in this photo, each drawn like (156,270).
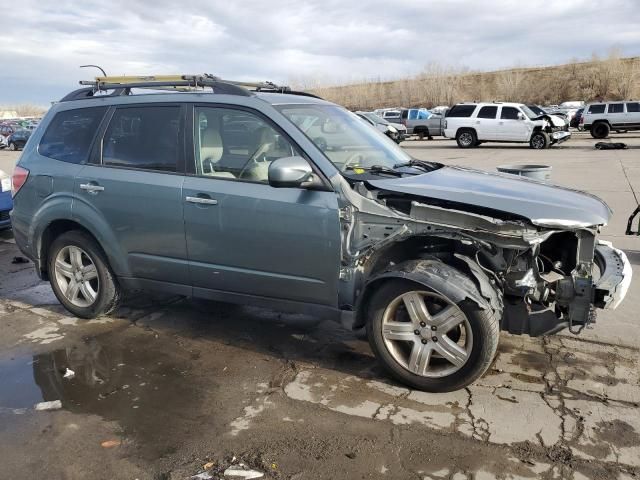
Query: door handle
(201,200)
(91,188)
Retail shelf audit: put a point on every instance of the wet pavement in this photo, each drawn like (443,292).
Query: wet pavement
(167,386)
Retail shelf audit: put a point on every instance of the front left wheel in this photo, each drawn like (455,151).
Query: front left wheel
(539,141)
(80,276)
(428,341)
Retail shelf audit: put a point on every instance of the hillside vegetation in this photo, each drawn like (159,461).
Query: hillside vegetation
(612,78)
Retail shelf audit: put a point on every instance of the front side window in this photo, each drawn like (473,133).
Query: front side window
(488,112)
(147,138)
(615,108)
(599,108)
(238,145)
(509,113)
(343,138)
(633,107)
(70,134)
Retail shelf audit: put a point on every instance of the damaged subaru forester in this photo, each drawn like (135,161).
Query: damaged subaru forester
(256,194)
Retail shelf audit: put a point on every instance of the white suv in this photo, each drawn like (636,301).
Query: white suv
(473,123)
(601,118)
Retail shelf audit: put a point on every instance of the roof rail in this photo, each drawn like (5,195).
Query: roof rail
(122,85)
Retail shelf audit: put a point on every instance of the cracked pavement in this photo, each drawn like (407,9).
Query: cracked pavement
(179,383)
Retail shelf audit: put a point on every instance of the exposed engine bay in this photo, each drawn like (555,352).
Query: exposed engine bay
(541,278)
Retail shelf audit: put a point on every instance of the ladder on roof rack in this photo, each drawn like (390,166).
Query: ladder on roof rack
(122,85)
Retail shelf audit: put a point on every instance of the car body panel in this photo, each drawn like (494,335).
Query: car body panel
(260,240)
(539,202)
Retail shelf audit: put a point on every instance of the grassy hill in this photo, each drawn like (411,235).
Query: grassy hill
(611,78)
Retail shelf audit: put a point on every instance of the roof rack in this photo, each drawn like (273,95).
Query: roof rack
(122,85)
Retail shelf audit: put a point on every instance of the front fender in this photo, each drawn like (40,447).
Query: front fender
(452,284)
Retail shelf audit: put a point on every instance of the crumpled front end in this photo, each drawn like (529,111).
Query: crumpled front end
(543,278)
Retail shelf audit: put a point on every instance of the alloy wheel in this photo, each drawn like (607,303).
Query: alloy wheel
(76,276)
(466,139)
(427,334)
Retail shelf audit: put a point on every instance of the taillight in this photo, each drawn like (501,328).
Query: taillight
(19,178)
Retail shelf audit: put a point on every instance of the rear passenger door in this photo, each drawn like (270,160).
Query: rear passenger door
(486,123)
(632,117)
(616,115)
(132,193)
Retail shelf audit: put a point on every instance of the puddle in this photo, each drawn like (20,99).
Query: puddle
(134,382)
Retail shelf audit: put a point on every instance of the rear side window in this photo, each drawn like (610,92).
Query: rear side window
(633,107)
(143,137)
(69,135)
(597,108)
(461,111)
(509,113)
(615,108)
(488,112)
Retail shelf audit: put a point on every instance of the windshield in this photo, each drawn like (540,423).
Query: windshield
(375,118)
(343,138)
(528,112)
(537,110)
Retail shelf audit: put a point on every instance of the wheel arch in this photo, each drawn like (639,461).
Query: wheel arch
(456,284)
(462,129)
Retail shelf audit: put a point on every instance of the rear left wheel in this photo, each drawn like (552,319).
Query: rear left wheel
(80,276)
(426,340)
(12,146)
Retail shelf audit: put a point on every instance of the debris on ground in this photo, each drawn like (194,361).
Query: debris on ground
(69,374)
(110,443)
(242,471)
(202,476)
(208,465)
(19,259)
(610,146)
(53,405)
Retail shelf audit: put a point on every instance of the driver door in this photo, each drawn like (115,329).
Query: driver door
(513,126)
(245,236)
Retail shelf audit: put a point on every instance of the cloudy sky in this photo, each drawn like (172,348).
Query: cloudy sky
(42,42)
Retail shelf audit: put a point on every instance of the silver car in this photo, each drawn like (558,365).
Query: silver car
(286,201)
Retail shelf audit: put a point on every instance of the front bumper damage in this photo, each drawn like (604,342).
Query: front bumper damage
(542,277)
(615,276)
(560,136)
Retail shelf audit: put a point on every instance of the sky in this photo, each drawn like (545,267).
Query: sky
(43,43)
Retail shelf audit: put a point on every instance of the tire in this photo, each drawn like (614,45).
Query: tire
(600,130)
(12,146)
(466,138)
(422,133)
(539,140)
(439,375)
(98,293)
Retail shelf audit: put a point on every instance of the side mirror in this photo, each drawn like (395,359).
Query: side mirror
(289,172)
(521,116)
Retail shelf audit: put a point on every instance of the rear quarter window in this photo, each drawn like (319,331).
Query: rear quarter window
(69,135)
(633,107)
(461,111)
(599,108)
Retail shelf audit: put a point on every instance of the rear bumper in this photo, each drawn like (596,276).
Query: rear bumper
(615,275)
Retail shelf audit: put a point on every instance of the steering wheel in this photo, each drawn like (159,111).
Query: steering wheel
(355,158)
(253,159)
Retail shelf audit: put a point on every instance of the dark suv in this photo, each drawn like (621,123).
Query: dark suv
(287,201)
(18,139)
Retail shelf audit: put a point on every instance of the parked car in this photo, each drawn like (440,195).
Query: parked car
(434,260)
(473,123)
(6,129)
(601,118)
(18,139)
(421,122)
(391,115)
(395,131)
(575,121)
(6,203)
(557,120)
(3,142)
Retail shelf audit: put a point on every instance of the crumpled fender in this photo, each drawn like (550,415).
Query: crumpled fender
(455,284)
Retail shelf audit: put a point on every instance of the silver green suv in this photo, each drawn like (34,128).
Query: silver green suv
(279,199)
